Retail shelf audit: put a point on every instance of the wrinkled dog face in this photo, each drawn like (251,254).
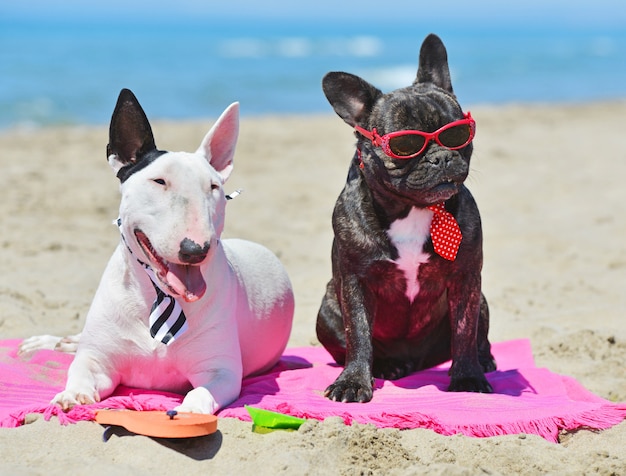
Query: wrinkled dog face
(433,176)
(427,105)
(173,203)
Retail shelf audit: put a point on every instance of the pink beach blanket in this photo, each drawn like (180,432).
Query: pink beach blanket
(526,399)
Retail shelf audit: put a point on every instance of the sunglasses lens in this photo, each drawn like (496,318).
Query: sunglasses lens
(455,137)
(406,145)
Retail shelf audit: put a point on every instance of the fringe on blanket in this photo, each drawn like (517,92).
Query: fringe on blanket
(144,402)
(600,418)
(548,428)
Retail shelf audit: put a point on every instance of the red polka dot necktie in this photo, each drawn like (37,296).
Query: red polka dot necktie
(445,232)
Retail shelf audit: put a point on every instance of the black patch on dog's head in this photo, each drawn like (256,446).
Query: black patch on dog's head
(141,162)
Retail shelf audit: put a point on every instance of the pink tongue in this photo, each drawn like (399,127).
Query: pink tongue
(186,280)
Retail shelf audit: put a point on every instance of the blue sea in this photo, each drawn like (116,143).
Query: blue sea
(70,72)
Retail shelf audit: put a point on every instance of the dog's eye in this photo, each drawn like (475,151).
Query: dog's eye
(214,186)
(160,181)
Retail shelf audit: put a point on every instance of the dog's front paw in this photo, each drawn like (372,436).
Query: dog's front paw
(69,399)
(474,381)
(488,364)
(468,376)
(350,388)
(470,384)
(198,400)
(392,369)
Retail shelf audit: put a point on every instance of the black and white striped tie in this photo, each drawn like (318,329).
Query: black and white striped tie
(167,319)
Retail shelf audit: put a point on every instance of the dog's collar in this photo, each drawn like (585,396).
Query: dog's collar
(148,269)
(118,223)
(236,193)
(359,156)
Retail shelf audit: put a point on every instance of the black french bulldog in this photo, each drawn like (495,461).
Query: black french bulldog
(394,304)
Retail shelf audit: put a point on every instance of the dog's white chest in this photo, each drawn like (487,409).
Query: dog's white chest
(157,370)
(408,235)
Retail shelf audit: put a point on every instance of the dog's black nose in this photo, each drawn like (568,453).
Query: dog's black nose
(191,252)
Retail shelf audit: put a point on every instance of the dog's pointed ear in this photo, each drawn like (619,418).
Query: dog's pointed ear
(130,134)
(218,146)
(351,97)
(433,64)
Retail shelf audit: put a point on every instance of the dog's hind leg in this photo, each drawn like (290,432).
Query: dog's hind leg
(67,344)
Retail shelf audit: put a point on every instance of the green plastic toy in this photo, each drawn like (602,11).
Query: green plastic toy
(265,421)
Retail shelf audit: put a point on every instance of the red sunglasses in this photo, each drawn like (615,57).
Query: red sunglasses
(409,144)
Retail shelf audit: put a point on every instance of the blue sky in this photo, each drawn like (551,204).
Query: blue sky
(380,14)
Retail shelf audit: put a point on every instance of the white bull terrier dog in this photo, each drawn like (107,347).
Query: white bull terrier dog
(178,309)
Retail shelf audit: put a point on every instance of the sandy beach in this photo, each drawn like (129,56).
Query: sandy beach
(548,180)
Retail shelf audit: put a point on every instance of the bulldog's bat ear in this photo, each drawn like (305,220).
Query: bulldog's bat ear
(218,146)
(351,97)
(130,134)
(433,64)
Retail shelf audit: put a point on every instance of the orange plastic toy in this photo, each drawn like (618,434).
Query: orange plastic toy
(160,424)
